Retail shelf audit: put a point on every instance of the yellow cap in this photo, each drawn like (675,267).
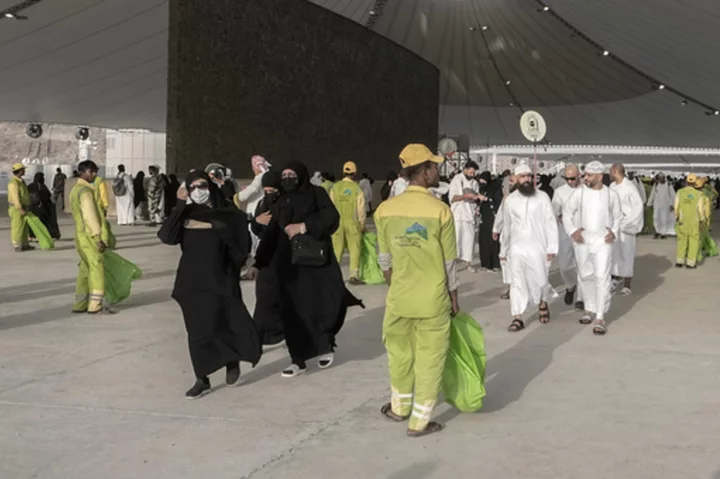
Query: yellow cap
(417,154)
(700,181)
(17,167)
(350,167)
(692,178)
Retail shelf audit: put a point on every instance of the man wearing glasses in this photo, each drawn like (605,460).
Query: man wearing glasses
(566,253)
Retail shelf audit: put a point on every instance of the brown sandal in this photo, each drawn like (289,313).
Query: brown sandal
(431,428)
(387,411)
(516,325)
(544,314)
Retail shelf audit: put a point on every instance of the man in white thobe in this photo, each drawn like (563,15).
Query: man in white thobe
(366,188)
(124,192)
(662,199)
(639,185)
(463,193)
(566,252)
(529,240)
(497,229)
(631,224)
(400,185)
(592,218)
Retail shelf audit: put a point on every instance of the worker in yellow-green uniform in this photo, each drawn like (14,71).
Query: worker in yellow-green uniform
(327,183)
(417,253)
(691,215)
(349,200)
(103,203)
(90,285)
(708,246)
(18,204)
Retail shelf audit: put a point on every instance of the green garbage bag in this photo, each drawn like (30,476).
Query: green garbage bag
(708,246)
(463,380)
(40,231)
(370,272)
(119,275)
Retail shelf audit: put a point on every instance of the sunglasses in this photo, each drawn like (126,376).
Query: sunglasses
(570,178)
(201,186)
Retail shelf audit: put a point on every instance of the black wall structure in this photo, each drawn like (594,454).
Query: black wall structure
(291,81)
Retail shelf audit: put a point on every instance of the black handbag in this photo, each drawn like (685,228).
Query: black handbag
(307,251)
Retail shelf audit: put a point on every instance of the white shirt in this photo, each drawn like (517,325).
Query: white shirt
(366,188)
(528,222)
(662,196)
(560,199)
(463,210)
(595,211)
(398,187)
(251,195)
(632,206)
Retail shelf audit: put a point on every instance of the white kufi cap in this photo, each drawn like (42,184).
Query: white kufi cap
(523,169)
(594,168)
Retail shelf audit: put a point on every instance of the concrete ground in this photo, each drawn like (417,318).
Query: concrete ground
(102,397)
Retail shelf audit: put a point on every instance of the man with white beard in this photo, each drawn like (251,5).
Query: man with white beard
(529,241)
(463,193)
(633,212)
(566,252)
(662,199)
(592,218)
(497,228)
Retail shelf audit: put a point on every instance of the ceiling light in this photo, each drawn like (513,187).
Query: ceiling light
(484,28)
(661,87)
(716,112)
(546,8)
(507,82)
(9,15)
(512,103)
(684,103)
(606,53)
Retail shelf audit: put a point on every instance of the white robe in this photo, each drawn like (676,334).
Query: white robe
(464,216)
(440,190)
(633,217)
(124,204)
(662,199)
(566,251)
(641,189)
(399,186)
(529,235)
(497,229)
(366,188)
(596,211)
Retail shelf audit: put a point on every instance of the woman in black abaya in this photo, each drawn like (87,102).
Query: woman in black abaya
(215,243)
(268,311)
(313,299)
(489,248)
(42,205)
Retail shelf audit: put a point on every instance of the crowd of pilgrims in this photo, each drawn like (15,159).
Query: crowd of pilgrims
(274,231)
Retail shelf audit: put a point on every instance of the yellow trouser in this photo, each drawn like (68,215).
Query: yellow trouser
(90,285)
(348,235)
(688,244)
(18,229)
(416,350)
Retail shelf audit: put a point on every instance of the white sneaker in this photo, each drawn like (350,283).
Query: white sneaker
(472,269)
(326,360)
(292,371)
(626,291)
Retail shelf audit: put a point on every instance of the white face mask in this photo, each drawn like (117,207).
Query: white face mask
(200,197)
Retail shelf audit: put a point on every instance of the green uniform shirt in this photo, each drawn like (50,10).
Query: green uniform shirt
(349,201)
(327,185)
(418,233)
(85,210)
(690,207)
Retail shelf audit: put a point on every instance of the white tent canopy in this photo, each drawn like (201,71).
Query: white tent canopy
(104,63)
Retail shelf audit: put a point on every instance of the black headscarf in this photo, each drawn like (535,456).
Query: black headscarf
(272,179)
(294,206)
(228,222)
(139,188)
(485,175)
(39,178)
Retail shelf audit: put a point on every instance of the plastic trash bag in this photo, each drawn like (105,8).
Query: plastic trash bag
(463,380)
(370,272)
(708,246)
(40,231)
(119,275)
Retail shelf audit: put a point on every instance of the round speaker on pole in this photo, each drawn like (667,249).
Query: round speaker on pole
(34,130)
(82,133)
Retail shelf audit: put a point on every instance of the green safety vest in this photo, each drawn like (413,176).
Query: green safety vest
(345,196)
(688,199)
(75,208)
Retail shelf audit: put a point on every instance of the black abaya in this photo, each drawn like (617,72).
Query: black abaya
(489,248)
(43,207)
(314,299)
(220,329)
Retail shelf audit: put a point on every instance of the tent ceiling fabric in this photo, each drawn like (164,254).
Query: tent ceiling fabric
(104,62)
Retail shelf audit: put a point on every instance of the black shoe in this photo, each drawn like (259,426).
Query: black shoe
(201,388)
(663,236)
(657,236)
(232,374)
(355,282)
(569,296)
(679,265)
(580,306)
